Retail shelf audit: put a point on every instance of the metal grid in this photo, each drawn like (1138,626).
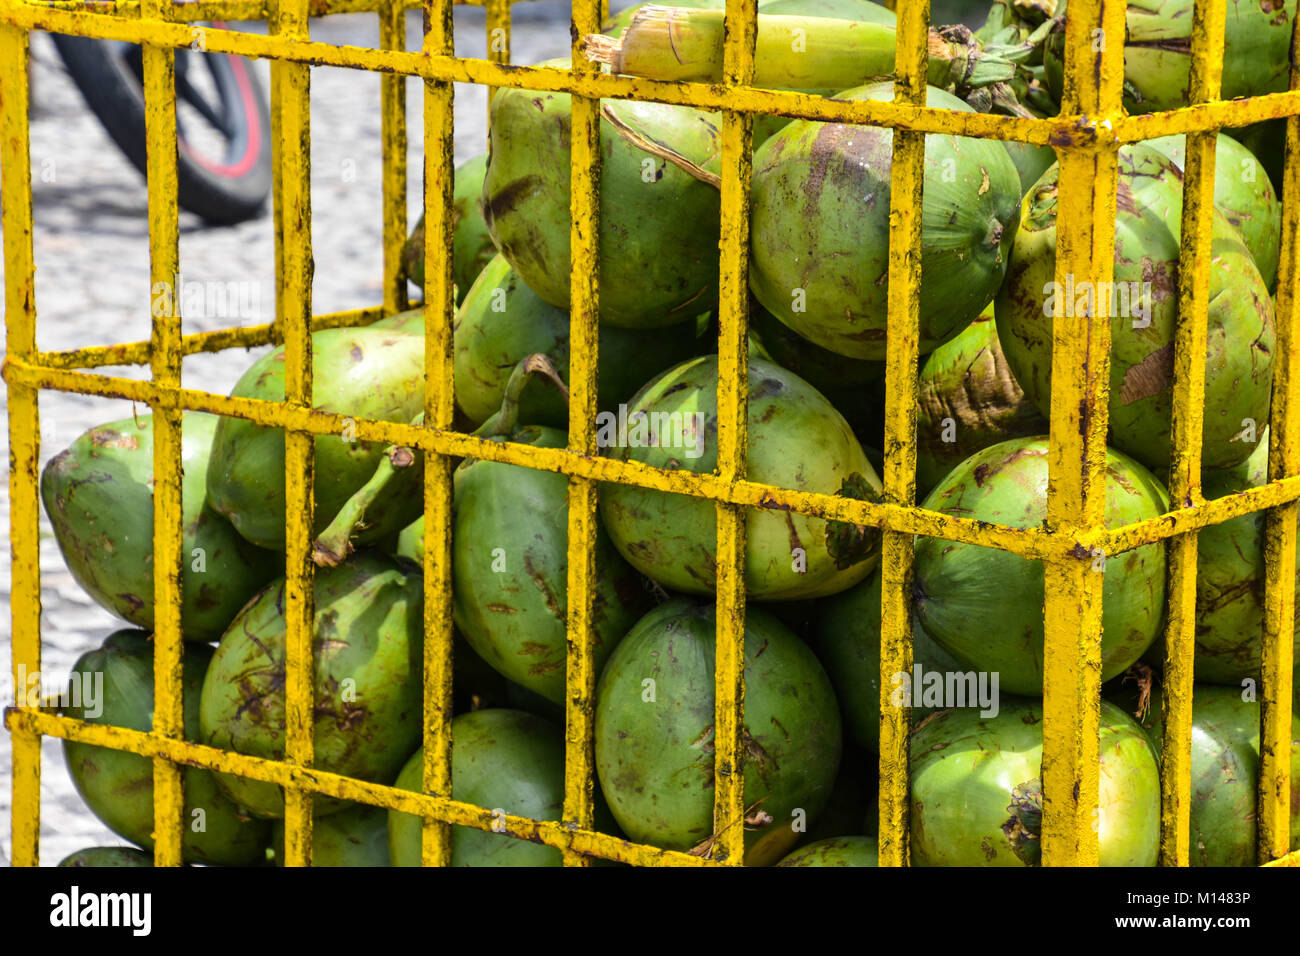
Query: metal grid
(1086,135)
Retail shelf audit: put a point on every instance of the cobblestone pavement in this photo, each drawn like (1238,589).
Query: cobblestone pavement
(92,286)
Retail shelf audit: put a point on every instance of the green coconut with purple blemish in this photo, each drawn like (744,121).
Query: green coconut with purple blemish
(984,606)
(367,647)
(820,229)
(1142,303)
(98,495)
(655,745)
(797,440)
(977,794)
(113,685)
(659,211)
(356,373)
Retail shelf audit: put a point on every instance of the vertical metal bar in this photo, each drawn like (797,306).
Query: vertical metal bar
(277,187)
(1188,418)
(1273,807)
(741,33)
(294,137)
(907,180)
(392,105)
(584,306)
(24,435)
(498,39)
(165,363)
(1076,491)
(439,408)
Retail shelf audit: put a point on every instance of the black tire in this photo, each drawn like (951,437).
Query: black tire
(223,190)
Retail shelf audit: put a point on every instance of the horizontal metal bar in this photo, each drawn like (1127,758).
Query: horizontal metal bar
(233,11)
(1029,543)
(549,832)
(248,337)
(1069,131)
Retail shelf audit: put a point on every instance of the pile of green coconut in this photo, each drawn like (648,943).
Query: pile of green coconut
(818,276)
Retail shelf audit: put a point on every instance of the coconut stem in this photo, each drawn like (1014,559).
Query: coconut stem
(798,53)
(334,544)
(504,422)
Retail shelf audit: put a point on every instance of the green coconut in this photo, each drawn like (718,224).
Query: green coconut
(510,571)
(472,247)
(820,229)
(654,740)
(1244,194)
(1030,161)
(840,851)
(967,400)
(501,321)
(367,649)
(976,789)
(98,495)
(1224,770)
(503,760)
(356,372)
(113,685)
(984,606)
(1229,630)
(659,221)
(112,856)
(1267,143)
(357,836)
(1143,307)
(846,635)
(796,440)
(1158,55)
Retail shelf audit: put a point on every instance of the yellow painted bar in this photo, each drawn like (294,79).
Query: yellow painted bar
(906,190)
(392,119)
(247,336)
(705,96)
(190,11)
(24,434)
(1077,454)
(1188,419)
(550,832)
(551,79)
(729,808)
(439,408)
(584,311)
(164,266)
(1273,807)
(497,26)
(294,138)
(1029,543)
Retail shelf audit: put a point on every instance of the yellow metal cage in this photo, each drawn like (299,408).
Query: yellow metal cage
(1087,135)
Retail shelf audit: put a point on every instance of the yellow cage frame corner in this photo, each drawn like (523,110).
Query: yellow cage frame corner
(1086,135)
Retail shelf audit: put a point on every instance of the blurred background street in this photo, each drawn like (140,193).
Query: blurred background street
(92,288)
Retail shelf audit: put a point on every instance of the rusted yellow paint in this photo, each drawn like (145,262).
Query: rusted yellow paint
(293,185)
(439,408)
(733,430)
(164,266)
(1275,740)
(1087,135)
(1188,418)
(24,430)
(907,180)
(584,309)
(1077,452)
(392,119)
